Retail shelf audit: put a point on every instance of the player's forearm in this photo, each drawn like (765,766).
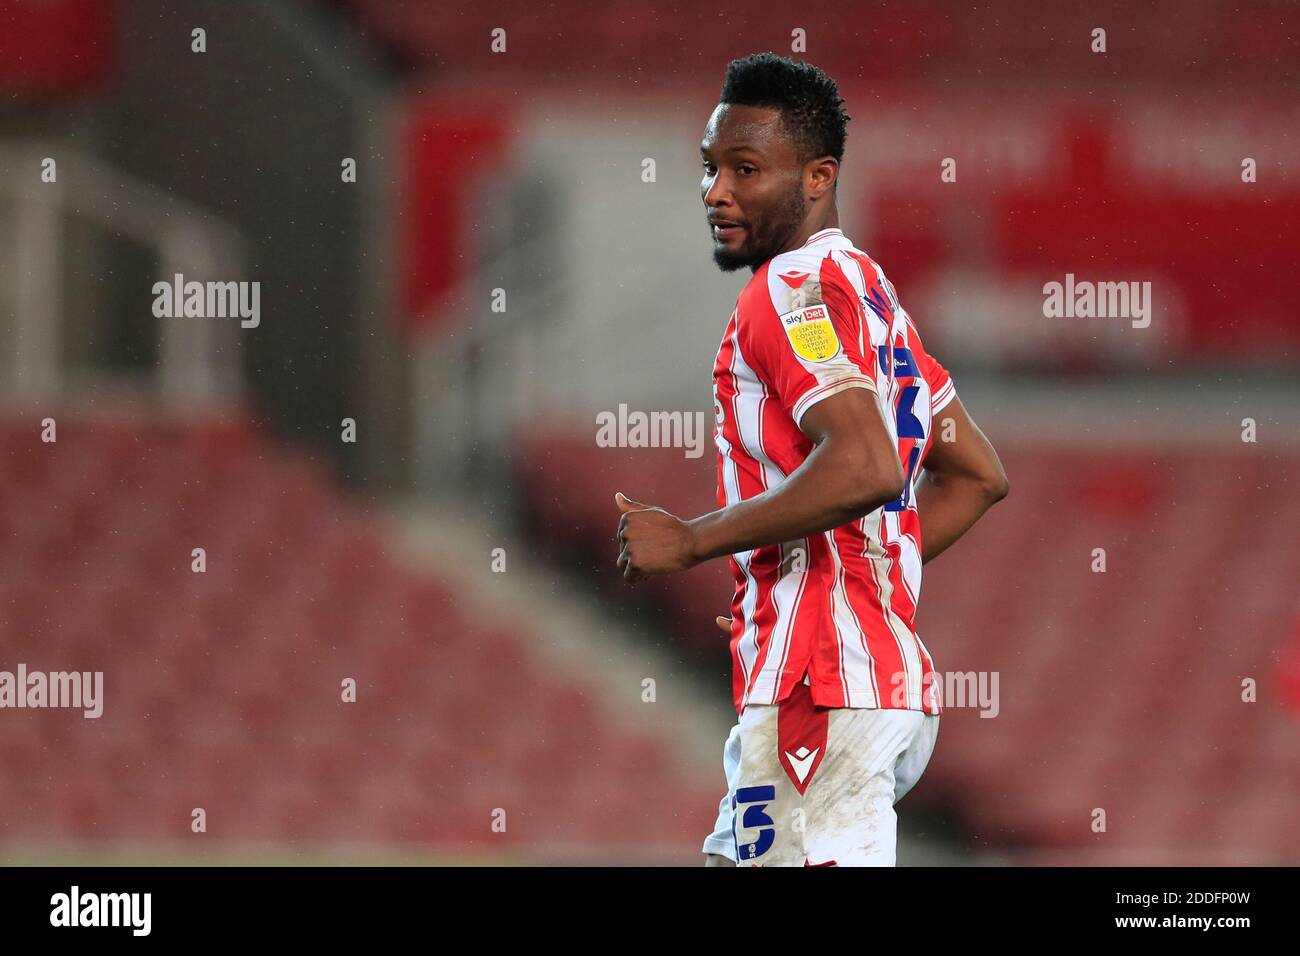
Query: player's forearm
(949,505)
(833,487)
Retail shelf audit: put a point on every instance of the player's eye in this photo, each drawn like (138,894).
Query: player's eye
(747,170)
(708,167)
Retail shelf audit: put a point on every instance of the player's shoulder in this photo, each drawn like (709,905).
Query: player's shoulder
(788,281)
(799,278)
(790,268)
(832,260)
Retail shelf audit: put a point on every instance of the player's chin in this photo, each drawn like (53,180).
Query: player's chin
(729,260)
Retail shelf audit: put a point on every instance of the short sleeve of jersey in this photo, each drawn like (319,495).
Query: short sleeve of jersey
(807,346)
(942,390)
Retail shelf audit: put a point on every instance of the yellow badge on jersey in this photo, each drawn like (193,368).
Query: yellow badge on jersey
(811,333)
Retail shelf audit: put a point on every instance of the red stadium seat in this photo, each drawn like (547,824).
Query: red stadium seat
(222,689)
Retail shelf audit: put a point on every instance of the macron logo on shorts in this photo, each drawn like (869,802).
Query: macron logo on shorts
(802,761)
(801,736)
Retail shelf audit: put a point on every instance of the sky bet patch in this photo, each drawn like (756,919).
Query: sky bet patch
(811,334)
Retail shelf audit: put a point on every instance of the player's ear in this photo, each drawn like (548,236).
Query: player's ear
(822,174)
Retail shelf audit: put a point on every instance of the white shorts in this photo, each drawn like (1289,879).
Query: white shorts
(816,786)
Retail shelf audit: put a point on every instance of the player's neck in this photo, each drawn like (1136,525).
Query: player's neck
(830,219)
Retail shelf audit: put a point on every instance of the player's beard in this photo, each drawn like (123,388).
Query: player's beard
(765,237)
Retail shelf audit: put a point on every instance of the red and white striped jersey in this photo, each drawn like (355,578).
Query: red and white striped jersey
(836,610)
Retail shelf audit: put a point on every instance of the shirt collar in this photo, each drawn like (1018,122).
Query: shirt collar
(823,234)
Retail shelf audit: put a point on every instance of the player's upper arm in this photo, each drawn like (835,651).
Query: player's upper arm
(959,449)
(850,425)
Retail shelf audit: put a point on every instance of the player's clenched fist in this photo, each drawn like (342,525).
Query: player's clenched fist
(652,540)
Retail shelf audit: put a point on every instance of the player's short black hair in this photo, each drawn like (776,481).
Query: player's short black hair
(808,99)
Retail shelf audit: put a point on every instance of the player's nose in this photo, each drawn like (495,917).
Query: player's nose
(717,194)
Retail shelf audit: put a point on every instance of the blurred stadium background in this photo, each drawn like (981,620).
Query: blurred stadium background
(522,171)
